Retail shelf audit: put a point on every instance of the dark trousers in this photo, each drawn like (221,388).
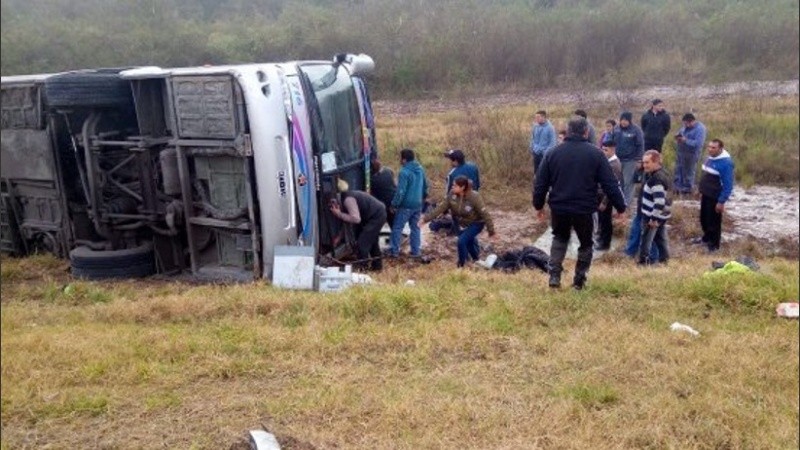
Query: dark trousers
(605,227)
(563,224)
(537,161)
(710,222)
(468,243)
(652,143)
(367,245)
(650,237)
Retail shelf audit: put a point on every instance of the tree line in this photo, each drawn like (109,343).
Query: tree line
(420,45)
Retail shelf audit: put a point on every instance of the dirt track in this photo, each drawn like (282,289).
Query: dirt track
(579,96)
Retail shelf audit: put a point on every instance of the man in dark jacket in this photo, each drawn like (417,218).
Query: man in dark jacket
(605,226)
(367,215)
(655,126)
(630,147)
(382,187)
(570,174)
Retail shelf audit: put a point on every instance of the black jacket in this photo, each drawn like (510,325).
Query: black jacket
(655,126)
(382,186)
(570,173)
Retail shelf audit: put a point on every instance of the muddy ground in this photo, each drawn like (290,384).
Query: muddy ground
(761,220)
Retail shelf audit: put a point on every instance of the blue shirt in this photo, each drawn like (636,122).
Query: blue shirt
(468,170)
(695,138)
(543,138)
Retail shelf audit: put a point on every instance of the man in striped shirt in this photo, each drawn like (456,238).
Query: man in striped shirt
(654,207)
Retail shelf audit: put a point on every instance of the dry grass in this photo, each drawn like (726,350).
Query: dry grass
(761,134)
(463,359)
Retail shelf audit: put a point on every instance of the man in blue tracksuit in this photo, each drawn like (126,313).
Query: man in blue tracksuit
(690,139)
(630,148)
(412,189)
(716,186)
(543,138)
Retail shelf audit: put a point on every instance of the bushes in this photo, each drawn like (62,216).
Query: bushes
(420,46)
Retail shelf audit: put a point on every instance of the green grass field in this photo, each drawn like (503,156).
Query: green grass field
(462,359)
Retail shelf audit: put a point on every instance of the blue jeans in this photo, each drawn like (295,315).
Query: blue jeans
(685,168)
(653,238)
(468,243)
(635,238)
(402,217)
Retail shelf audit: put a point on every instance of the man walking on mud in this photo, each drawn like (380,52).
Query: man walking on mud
(568,179)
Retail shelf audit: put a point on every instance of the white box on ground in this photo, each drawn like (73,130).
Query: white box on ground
(293,267)
(331,279)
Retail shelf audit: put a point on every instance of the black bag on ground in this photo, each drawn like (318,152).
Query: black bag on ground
(530,257)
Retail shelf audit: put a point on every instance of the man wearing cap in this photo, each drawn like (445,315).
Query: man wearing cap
(458,167)
(630,148)
(367,215)
(690,140)
(543,138)
(655,126)
(461,167)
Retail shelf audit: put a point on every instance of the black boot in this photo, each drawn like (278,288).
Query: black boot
(582,269)
(558,250)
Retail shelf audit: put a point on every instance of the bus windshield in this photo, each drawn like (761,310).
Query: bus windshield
(338,106)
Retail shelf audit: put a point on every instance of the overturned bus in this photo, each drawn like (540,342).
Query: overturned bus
(204,170)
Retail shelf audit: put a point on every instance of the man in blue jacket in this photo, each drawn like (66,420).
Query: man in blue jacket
(543,138)
(690,139)
(630,148)
(461,167)
(412,189)
(568,179)
(716,186)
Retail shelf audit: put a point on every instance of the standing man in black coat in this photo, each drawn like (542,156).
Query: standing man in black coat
(382,187)
(570,174)
(655,126)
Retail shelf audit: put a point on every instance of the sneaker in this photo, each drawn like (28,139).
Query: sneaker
(697,241)
(555,281)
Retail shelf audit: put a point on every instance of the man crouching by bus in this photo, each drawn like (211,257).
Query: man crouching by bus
(367,215)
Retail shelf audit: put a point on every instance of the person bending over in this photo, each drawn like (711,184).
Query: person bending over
(466,206)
